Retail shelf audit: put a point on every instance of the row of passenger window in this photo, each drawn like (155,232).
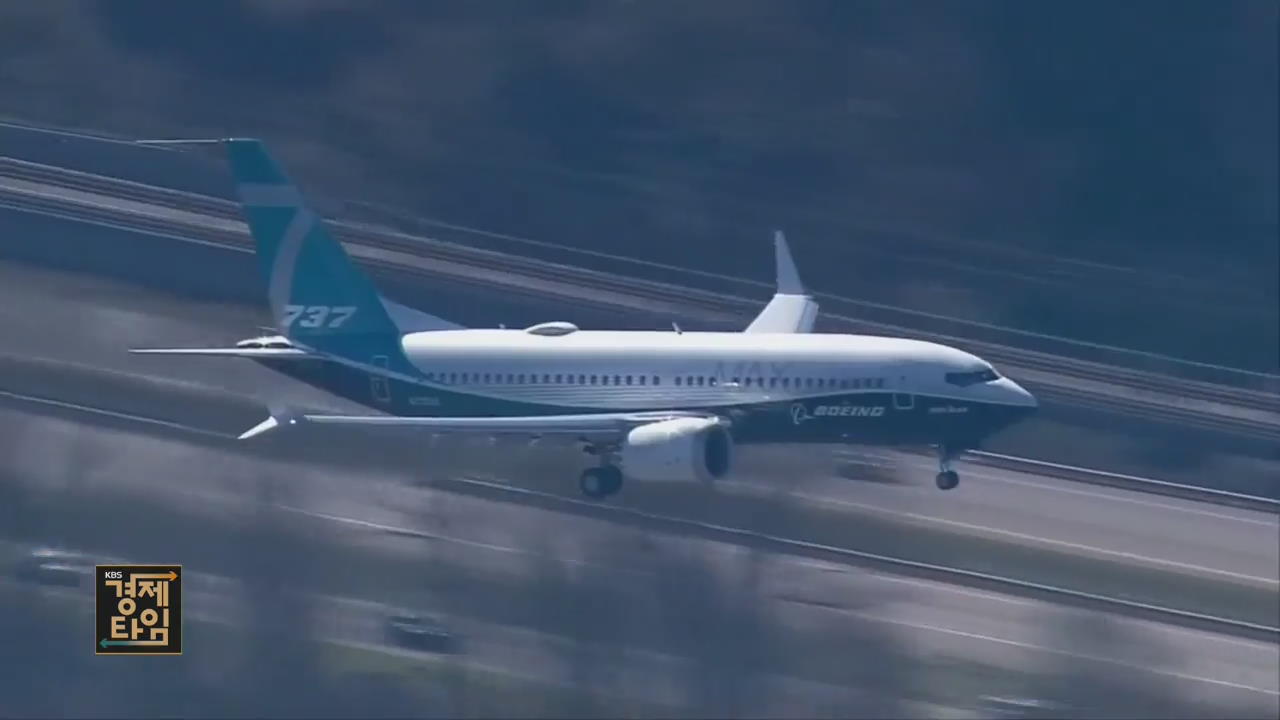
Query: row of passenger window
(475,378)
(543,379)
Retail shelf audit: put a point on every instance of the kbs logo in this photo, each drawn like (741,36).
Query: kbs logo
(139,609)
(800,413)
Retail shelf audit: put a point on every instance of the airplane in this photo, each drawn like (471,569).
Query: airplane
(648,405)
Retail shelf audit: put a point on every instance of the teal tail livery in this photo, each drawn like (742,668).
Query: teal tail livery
(647,405)
(318,298)
(320,301)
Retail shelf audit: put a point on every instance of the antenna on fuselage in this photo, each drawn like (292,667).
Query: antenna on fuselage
(676,326)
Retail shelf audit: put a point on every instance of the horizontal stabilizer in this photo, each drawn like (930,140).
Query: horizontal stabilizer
(280,416)
(281,353)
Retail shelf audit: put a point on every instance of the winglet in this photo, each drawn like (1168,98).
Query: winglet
(281,416)
(788,277)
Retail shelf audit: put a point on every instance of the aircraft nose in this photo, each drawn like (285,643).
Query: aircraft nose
(1024,397)
(1018,395)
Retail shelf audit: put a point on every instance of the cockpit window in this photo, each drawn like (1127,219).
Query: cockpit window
(964,379)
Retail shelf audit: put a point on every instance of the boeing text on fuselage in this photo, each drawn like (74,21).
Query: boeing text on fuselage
(800,413)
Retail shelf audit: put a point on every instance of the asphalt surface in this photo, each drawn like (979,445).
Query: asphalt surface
(91,321)
(651,677)
(83,318)
(1179,451)
(808,601)
(51,317)
(1142,529)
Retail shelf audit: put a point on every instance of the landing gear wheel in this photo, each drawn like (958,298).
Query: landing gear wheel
(947,480)
(600,482)
(612,478)
(591,483)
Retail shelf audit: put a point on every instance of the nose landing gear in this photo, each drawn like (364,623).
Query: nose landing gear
(947,478)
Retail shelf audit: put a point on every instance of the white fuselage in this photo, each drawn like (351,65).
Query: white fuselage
(637,369)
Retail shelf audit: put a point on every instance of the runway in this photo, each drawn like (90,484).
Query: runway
(649,677)
(146,258)
(68,318)
(97,319)
(490,545)
(494,538)
(1132,527)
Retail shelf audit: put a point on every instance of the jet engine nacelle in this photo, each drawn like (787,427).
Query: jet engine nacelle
(689,449)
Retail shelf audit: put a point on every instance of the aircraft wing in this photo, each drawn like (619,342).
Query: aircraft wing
(595,424)
(791,310)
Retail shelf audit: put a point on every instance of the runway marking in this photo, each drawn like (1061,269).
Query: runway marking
(128,228)
(960,590)
(425,535)
(155,380)
(1122,495)
(1163,627)
(1047,541)
(1118,494)
(114,414)
(1082,656)
(1053,651)
(402,531)
(979,528)
(804,562)
(80,135)
(835,608)
(575,501)
(506,549)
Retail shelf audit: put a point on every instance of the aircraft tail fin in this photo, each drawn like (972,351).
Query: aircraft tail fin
(319,298)
(791,310)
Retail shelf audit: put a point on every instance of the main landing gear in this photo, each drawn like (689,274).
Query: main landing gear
(603,480)
(600,482)
(947,478)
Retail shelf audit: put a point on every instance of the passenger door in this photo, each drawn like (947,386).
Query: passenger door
(379,386)
(903,400)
